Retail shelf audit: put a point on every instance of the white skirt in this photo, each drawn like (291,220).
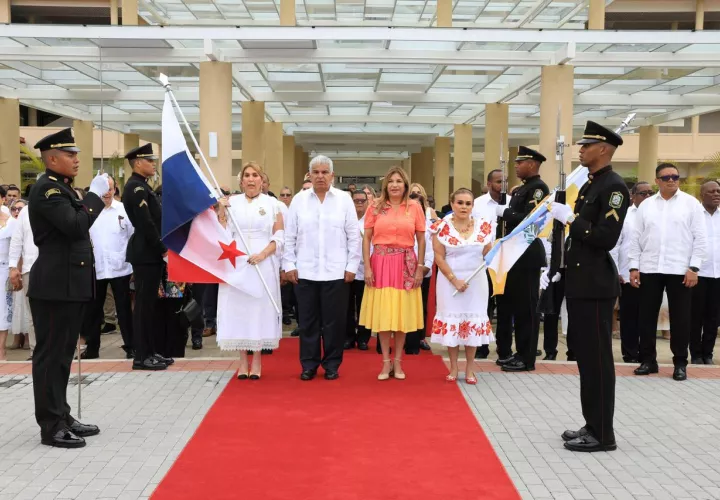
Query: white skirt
(21,317)
(6,298)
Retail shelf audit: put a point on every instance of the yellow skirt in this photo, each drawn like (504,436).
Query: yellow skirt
(391,310)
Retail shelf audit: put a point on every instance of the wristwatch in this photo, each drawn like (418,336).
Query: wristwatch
(694,269)
(633,269)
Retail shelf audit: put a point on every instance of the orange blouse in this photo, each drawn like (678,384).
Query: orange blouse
(395,227)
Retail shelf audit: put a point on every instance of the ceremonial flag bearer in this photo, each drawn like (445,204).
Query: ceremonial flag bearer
(592,284)
(62,282)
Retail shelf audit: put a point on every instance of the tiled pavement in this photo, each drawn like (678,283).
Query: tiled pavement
(668,438)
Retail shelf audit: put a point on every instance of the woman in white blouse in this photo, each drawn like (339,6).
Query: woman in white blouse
(246,323)
(7,225)
(23,253)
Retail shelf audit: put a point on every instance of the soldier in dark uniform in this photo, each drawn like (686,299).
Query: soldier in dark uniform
(145,252)
(592,284)
(62,283)
(518,304)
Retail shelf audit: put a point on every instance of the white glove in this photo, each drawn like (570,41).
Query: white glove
(545,278)
(100,185)
(561,212)
(500,210)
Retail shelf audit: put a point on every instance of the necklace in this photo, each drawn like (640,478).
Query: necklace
(251,197)
(468,228)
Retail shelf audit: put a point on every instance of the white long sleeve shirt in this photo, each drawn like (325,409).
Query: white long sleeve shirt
(711,266)
(621,253)
(110,235)
(22,243)
(322,239)
(669,235)
(484,207)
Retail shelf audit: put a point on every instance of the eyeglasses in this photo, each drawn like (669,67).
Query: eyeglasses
(668,178)
(16,209)
(644,193)
(359,202)
(285,195)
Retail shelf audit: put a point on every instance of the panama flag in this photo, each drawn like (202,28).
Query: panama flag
(200,250)
(506,251)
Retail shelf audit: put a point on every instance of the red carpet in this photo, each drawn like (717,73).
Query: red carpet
(352,438)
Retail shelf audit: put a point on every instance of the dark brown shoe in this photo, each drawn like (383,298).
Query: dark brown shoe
(209,332)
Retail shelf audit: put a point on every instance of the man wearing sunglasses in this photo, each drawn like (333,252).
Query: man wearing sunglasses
(667,248)
(630,297)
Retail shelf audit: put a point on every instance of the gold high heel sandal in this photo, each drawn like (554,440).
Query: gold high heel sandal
(399,376)
(385,376)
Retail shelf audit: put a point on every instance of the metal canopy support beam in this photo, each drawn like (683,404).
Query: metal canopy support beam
(680,114)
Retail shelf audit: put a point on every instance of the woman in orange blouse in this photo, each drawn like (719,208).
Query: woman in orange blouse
(392,303)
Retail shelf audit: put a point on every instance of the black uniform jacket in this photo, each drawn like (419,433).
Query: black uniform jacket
(145,212)
(65,267)
(600,211)
(526,198)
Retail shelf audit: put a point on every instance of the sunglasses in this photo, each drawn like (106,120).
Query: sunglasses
(16,209)
(644,193)
(359,202)
(668,178)
(285,195)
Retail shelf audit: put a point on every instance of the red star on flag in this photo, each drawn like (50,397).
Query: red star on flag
(230,252)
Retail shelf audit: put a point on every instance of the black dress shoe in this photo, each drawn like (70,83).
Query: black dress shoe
(571,357)
(646,369)
(197,344)
(266,352)
(90,355)
(163,359)
(84,430)
(425,346)
(569,435)
(63,439)
(412,352)
(108,328)
(295,332)
(149,363)
(129,352)
(708,360)
(697,361)
(363,346)
(504,361)
(538,353)
(680,373)
(550,357)
(516,365)
(588,444)
(349,344)
(308,374)
(287,321)
(331,375)
(481,354)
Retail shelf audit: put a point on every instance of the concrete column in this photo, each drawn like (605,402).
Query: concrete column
(444,13)
(442,171)
(406,164)
(496,132)
(216,118)
(273,165)
(648,153)
(301,168)
(253,132)
(462,153)
(10,141)
(428,169)
(114,12)
(289,163)
(416,165)
(556,93)
(512,176)
(83,133)
(130,141)
(129,12)
(699,15)
(158,163)
(287,13)
(32,117)
(596,15)
(305,162)
(5,13)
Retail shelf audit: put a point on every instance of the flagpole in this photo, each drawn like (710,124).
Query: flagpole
(164,80)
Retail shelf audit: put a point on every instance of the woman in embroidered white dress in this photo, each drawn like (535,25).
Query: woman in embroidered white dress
(7,226)
(246,323)
(460,242)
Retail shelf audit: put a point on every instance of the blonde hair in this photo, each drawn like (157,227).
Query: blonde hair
(461,191)
(385,196)
(251,164)
(420,187)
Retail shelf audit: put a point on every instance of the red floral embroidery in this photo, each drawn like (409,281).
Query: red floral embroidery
(464,330)
(444,231)
(435,225)
(452,240)
(439,327)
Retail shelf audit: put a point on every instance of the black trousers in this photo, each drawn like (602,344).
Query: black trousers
(679,296)
(355,332)
(287,297)
(590,323)
(551,321)
(705,317)
(630,323)
(412,339)
(57,327)
(147,283)
(518,307)
(94,313)
(322,306)
(205,294)
(484,350)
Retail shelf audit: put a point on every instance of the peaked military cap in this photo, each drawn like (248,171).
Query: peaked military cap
(597,133)
(63,141)
(145,152)
(529,154)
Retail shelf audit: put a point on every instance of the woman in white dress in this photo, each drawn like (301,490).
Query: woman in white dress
(246,323)
(460,242)
(7,226)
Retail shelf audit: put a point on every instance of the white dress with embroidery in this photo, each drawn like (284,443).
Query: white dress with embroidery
(246,323)
(462,320)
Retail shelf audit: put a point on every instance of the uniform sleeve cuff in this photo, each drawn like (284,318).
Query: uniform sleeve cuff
(289,266)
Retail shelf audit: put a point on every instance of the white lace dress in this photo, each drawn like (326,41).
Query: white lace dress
(6,298)
(462,320)
(246,323)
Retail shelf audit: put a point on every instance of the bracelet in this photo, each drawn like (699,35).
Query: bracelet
(451,277)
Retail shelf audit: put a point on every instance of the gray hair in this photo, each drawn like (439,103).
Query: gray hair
(320,160)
